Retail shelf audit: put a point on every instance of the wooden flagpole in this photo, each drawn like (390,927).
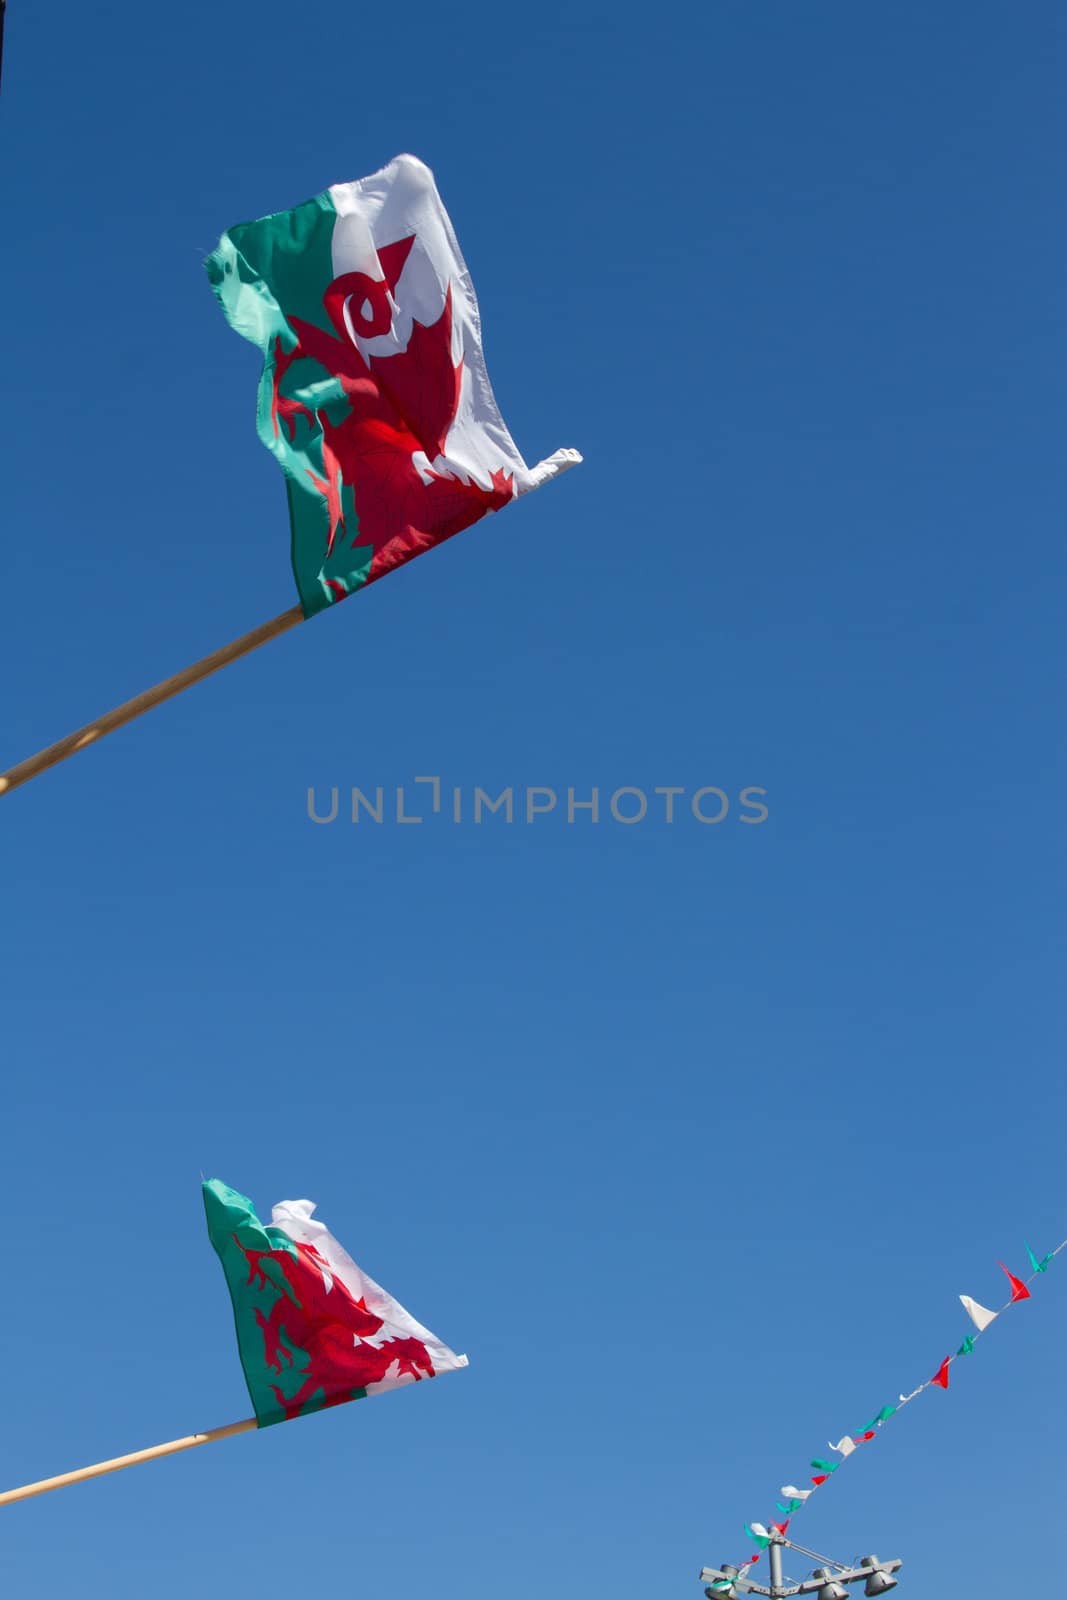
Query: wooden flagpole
(145,701)
(28,1490)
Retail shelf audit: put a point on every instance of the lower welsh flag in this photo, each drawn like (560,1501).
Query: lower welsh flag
(374,396)
(312,1329)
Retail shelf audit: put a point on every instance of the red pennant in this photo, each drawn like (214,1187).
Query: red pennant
(780,1527)
(861,1438)
(942,1374)
(820,1479)
(1019,1291)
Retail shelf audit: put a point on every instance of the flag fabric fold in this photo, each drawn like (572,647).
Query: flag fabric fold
(374,396)
(1019,1291)
(312,1329)
(979,1315)
(940,1377)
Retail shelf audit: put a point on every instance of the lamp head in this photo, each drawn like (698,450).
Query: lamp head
(879,1582)
(722,1588)
(831,1589)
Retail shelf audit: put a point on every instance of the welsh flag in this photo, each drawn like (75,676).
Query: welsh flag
(312,1329)
(374,395)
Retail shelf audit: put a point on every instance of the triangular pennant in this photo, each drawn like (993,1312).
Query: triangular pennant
(792,1493)
(844,1447)
(979,1315)
(883,1416)
(861,1438)
(1019,1291)
(758,1534)
(825,1466)
(941,1376)
(824,1477)
(1035,1264)
(966,1347)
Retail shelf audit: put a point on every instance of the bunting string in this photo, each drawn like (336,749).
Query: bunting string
(794,1499)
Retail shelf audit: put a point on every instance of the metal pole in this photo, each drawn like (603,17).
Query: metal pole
(774,1555)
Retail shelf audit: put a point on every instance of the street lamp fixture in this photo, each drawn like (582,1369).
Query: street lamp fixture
(723,1586)
(826,1582)
(879,1581)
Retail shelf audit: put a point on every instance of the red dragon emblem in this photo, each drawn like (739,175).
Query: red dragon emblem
(398,406)
(319,1316)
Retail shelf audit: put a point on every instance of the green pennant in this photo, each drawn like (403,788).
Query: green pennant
(883,1416)
(825,1466)
(1038,1266)
(966,1347)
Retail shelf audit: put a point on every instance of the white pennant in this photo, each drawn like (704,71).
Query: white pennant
(789,1493)
(844,1447)
(978,1314)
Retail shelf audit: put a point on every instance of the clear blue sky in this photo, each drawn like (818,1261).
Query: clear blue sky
(689,1135)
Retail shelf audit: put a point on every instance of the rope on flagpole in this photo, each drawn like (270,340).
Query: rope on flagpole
(116,1464)
(145,701)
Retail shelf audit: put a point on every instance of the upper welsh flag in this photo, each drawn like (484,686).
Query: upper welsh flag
(312,1329)
(374,395)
